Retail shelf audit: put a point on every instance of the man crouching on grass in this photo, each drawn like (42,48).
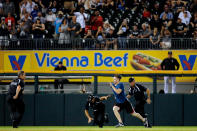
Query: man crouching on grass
(98,107)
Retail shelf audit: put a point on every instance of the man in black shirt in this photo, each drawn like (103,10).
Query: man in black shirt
(98,108)
(169,63)
(60,82)
(137,91)
(180,29)
(15,102)
(135,33)
(111,39)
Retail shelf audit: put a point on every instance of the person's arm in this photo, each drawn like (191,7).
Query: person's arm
(78,32)
(117,90)
(174,30)
(104,97)
(185,30)
(33,27)
(177,64)
(151,40)
(88,116)
(148,96)
(158,40)
(43,27)
(162,65)
(17,92)
(169,23)
(40,3)
(60,29)
(128,96)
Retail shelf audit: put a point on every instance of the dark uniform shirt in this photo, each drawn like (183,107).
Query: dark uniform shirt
(138,92)
(170,64)
(13,87)
(57,68)
(95,106)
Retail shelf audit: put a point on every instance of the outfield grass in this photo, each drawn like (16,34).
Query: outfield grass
(106,128)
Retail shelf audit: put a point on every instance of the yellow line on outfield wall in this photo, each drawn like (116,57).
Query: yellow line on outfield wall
(109,72)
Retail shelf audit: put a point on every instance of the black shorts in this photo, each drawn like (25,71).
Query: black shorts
(126,105)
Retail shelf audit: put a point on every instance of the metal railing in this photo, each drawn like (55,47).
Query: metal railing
(153,74)
(95,44)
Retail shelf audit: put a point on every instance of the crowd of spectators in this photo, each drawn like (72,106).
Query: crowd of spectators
(109,22)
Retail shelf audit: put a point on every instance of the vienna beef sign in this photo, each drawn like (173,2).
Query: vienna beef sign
(94,60)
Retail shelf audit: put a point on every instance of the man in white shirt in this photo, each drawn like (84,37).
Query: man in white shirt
(185,19)
(28,5)
(81,19)
(185,16)
(50,17)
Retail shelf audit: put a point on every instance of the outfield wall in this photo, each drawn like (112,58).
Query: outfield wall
(68,110)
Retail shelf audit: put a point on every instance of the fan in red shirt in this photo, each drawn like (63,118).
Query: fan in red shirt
(10,21)
(146,13)
(96,21)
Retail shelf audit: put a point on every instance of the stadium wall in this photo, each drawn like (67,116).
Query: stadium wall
(68,110)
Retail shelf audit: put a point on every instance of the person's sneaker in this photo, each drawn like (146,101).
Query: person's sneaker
(119,125)
(14,124)
(106,118)
(147,124)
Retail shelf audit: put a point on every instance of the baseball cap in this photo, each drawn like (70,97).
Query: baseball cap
(170,52)
(90,97)
(131,79)
(60,62)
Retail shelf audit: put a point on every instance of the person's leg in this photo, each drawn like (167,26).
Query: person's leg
(12,109)
(139,107)
(129,108)
(117,114)
(95,118)
(20,109)
(137,115)
(166,82)
(100,119)
(61,86)
(56,83)
(115,44)
(173,84)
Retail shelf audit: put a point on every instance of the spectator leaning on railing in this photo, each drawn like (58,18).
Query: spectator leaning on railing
(155,38)
(111,40)
(64,33)
(135,33)
(122,34)
(166,39)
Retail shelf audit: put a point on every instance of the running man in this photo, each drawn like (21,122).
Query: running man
(137,91)
(122,102)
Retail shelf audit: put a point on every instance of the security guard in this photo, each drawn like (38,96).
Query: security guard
(98,107)
(169,63)
(138,91)
(60,82)
(15,102)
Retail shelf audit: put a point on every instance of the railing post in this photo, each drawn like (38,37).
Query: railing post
(154,84)
(36,84)
(95,84)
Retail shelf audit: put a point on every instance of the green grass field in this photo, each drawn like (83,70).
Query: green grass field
(106,128)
